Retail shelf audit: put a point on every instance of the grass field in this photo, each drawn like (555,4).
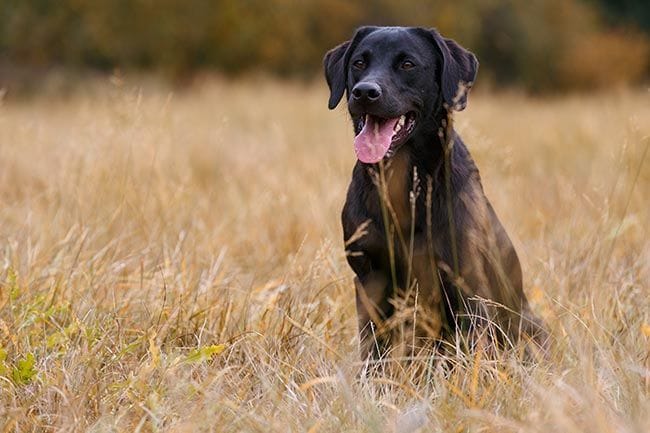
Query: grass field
(174,262)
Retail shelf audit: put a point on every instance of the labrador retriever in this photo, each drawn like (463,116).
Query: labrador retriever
(432,261)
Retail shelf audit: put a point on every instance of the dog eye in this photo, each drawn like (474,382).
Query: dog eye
(407,64)
(359,64)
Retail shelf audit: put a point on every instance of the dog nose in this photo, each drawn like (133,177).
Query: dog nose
(366,91)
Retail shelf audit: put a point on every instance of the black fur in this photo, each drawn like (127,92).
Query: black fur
(451,249)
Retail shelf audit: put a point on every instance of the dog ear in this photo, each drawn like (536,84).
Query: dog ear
(459,69)
(335,67)
(336,64)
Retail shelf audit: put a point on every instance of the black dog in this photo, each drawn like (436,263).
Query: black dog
(430,255)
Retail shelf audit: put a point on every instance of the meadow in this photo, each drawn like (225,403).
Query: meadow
(173,261)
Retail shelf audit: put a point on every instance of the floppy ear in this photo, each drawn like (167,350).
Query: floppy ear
(459,69)
(336,64)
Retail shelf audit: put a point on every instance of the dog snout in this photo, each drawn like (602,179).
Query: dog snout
(365,92)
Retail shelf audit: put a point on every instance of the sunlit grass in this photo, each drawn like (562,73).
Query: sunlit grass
(174,262)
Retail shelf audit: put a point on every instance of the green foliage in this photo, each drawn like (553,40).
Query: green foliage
(204,353)
(24,371)
(518,42)
(633,11)
(3,358)
(12,285)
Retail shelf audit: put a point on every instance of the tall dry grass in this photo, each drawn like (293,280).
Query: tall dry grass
(174,262)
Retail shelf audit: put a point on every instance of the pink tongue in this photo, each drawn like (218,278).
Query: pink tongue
(373,141)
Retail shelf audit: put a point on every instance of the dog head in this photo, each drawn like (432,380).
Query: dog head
(395,79)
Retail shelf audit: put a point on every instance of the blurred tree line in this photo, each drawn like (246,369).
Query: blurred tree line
(540,45)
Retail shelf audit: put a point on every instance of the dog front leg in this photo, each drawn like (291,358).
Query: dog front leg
(373,307)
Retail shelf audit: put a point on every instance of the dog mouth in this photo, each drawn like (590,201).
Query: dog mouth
(378,137)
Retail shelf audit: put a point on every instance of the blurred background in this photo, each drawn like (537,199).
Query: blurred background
(540,46)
